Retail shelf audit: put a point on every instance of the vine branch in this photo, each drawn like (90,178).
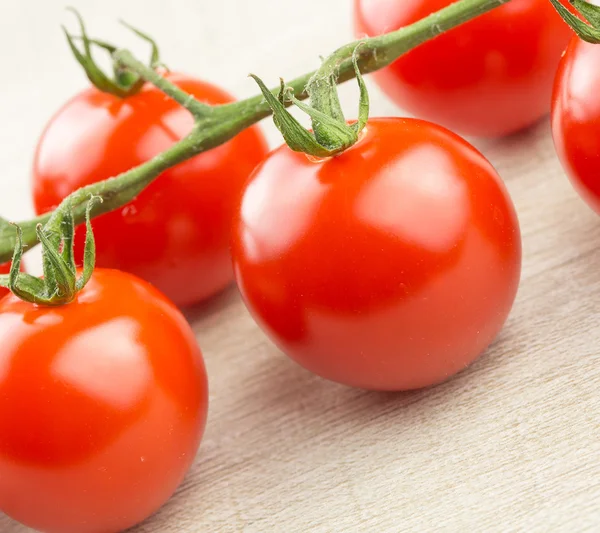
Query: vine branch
(215,125)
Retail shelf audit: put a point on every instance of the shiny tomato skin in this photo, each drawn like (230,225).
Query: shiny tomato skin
(576,118)
(389,267)
(103,404)
(175,234)
(489,77)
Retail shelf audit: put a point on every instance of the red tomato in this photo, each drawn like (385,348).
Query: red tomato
(176,233)
(489,77)
(576,118)
(102,406)
(391,266)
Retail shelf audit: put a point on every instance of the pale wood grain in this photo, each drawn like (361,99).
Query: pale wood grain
(511,444)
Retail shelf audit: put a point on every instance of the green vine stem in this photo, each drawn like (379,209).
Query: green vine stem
(216,125)
(196,108)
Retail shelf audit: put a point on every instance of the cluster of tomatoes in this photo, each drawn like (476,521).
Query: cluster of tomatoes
(391,266)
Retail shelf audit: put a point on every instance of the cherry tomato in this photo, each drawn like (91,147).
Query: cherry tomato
(576,118)
(489,77)
(390,267)
(176,233)
(102,406)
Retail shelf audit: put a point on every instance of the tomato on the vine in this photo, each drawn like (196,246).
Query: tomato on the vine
(576,118)
(488,77)
(391,266)
(175,234)
(103,403)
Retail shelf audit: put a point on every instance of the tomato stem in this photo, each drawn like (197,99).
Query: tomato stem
(590,12)
(332,135)
(60,284)
(94,73)
(196,108)
(125,82)
(216,125)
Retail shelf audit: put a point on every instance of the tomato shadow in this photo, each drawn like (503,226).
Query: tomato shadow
(213,306)
(284,387)
(514,142)
(292,387)
(297,388)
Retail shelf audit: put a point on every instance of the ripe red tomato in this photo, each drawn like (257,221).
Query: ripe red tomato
(176,233)
(489,77)
(391,266)
(102,406)
(576,118)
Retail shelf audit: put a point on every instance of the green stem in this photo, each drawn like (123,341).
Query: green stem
(114,193)
(216,125)
(196,108)
(376,52)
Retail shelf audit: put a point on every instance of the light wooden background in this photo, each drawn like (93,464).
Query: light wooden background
(512,444)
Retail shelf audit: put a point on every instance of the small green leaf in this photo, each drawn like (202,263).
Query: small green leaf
(585,31)
(59,285)
(363,106)
(110,48)
(324,97)
(336,136)
(589,11)
(63,283)
(124,84)
(155,56)
(24,286)
(53,234)
(89,253)
(296,137)
(31,289)
(130,79)
(92,70)
(68,234)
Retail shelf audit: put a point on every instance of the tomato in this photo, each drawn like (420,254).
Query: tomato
(103,404)
(176,233)
(390,267)
(576,118)
(489,77)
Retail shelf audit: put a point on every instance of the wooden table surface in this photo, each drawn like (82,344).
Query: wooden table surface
(511,444)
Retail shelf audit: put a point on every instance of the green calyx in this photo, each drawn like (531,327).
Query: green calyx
(60,283)
(331,134)
(588,31)
(123,82)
